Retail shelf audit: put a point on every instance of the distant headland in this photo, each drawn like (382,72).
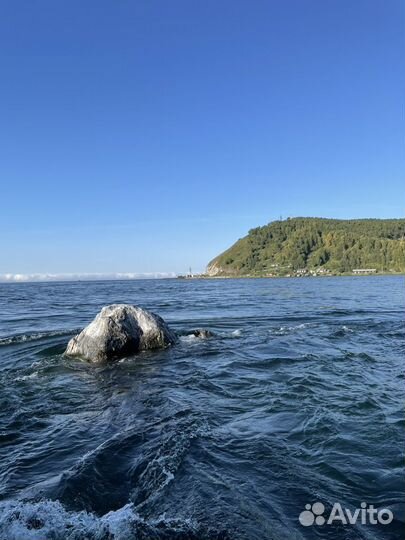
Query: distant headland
(306,246)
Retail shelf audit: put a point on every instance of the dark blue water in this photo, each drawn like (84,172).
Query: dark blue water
(298,398)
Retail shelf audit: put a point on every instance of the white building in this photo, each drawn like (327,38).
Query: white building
(364,271)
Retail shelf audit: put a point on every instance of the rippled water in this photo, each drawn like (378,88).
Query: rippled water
(298,398)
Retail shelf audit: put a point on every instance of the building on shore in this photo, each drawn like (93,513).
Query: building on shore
(364,271)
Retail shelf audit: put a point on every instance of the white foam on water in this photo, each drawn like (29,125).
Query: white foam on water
(36,363)
(33,375)
(283,330)
(46,519)
(50,520)
(22,338)
(347,329)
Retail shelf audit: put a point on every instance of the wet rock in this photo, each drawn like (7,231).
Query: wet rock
(120,330)
(202,333)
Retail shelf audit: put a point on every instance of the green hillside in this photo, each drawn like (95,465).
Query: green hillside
(316,245)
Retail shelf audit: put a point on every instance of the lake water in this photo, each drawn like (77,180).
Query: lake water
(297,399)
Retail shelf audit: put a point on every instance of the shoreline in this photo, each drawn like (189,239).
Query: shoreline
(197,277)
(380,274)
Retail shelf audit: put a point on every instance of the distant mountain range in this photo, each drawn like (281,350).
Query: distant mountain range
(300,246)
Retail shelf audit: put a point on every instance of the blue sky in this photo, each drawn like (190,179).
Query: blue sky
(148,136)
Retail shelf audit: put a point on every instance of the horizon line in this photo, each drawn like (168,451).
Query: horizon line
(85,276)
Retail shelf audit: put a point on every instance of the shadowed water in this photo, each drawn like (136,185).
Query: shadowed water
(297,398)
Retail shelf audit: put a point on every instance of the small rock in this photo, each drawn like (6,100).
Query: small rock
(202,333)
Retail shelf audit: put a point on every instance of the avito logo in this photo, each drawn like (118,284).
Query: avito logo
(366,515)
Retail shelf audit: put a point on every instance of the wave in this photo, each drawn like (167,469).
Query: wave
(132,465)
(342,332)
(189,338)
(48,519)
(33,375)
(284,330)
(35,336)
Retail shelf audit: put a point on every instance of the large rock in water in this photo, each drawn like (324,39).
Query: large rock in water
(120,330)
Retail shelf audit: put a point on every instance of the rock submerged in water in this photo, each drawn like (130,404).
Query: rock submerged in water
(202,333)
(120,330)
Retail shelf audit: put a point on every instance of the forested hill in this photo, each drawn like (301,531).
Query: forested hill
(316,245)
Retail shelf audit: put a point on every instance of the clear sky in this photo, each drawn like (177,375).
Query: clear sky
(148,136)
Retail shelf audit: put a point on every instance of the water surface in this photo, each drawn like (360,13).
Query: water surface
(298,398)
